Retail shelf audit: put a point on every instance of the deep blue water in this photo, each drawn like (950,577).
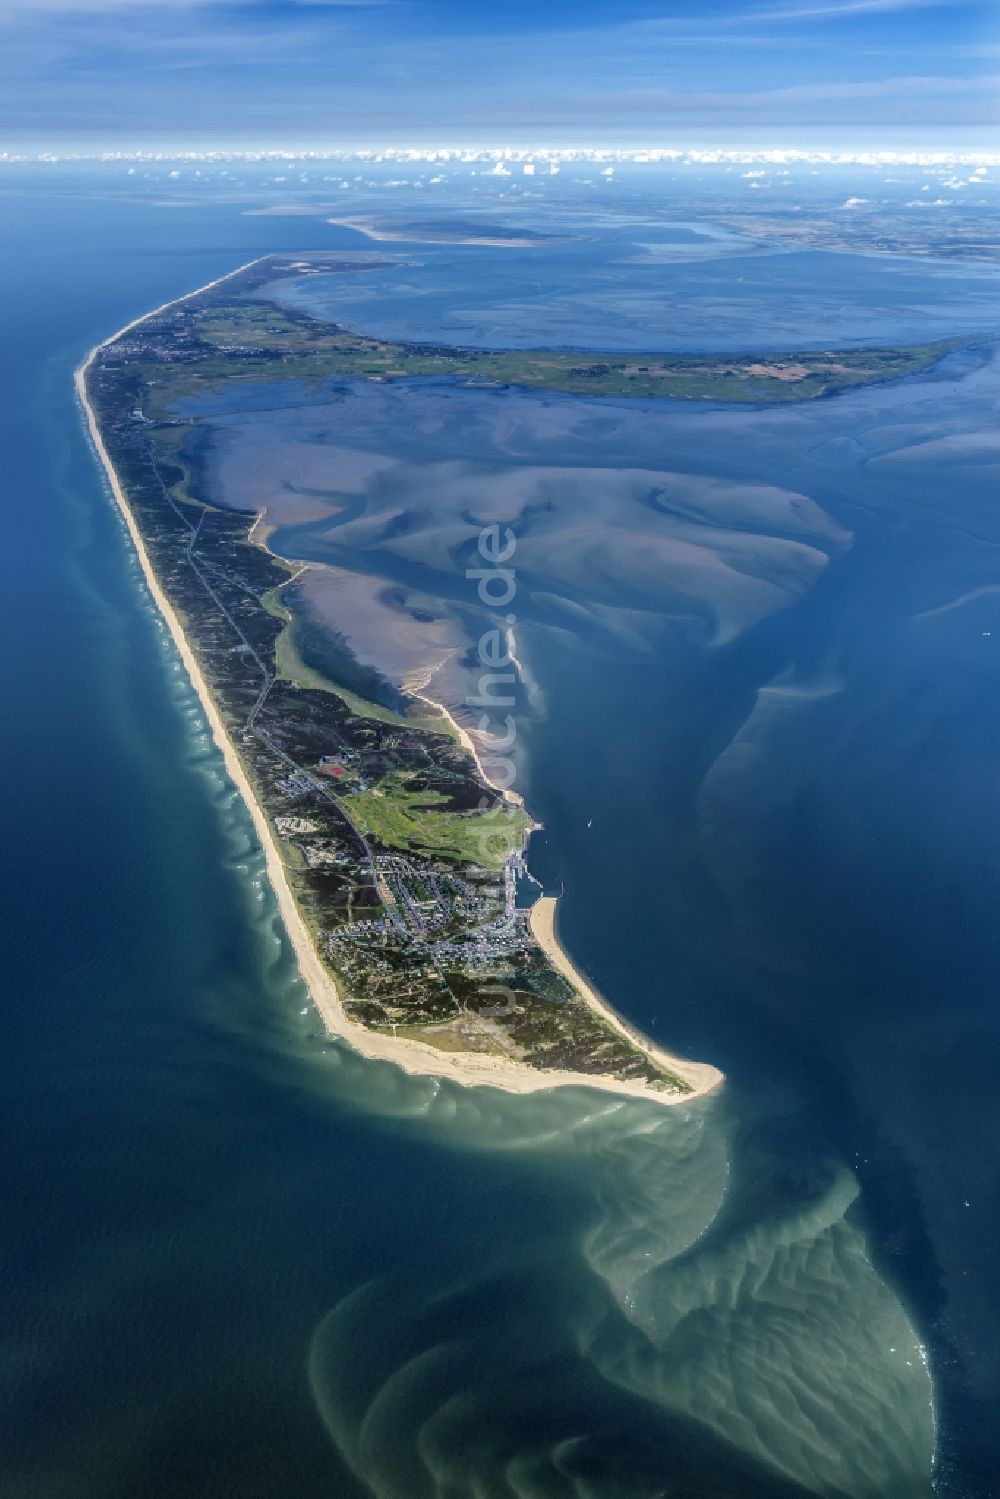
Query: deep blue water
(242,1261)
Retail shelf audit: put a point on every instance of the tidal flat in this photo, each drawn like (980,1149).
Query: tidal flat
(271,1264)
(723,616)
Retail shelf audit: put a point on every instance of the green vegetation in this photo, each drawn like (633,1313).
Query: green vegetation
(395,869)
(400,817)
(291,668)
(256,340)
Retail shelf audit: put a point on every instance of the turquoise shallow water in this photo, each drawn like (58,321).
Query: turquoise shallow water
(246,1262)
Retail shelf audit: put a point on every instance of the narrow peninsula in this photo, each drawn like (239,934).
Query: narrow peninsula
(397,865)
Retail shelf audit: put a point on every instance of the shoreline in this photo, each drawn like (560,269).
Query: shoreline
(463,736)
(701,1076)
(469,1068)
(371,229)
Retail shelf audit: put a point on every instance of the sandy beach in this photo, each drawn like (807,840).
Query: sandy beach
(700,1076)
(371,230)
(465,739)
(471,1069)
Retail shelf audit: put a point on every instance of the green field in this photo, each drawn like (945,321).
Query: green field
(255,340)
(413,821)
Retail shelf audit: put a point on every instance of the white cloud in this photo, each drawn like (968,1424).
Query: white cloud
(904,87)
(497,161)
(854,203)
(839,10)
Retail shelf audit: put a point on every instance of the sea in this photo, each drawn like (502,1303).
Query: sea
(239,1259)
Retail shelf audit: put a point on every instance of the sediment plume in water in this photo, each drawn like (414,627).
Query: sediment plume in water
(684,1341)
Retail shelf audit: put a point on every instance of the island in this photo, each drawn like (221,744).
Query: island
(456,231)
(235,330)
(398,866)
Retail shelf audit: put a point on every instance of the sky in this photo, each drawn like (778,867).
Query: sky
(833,74)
